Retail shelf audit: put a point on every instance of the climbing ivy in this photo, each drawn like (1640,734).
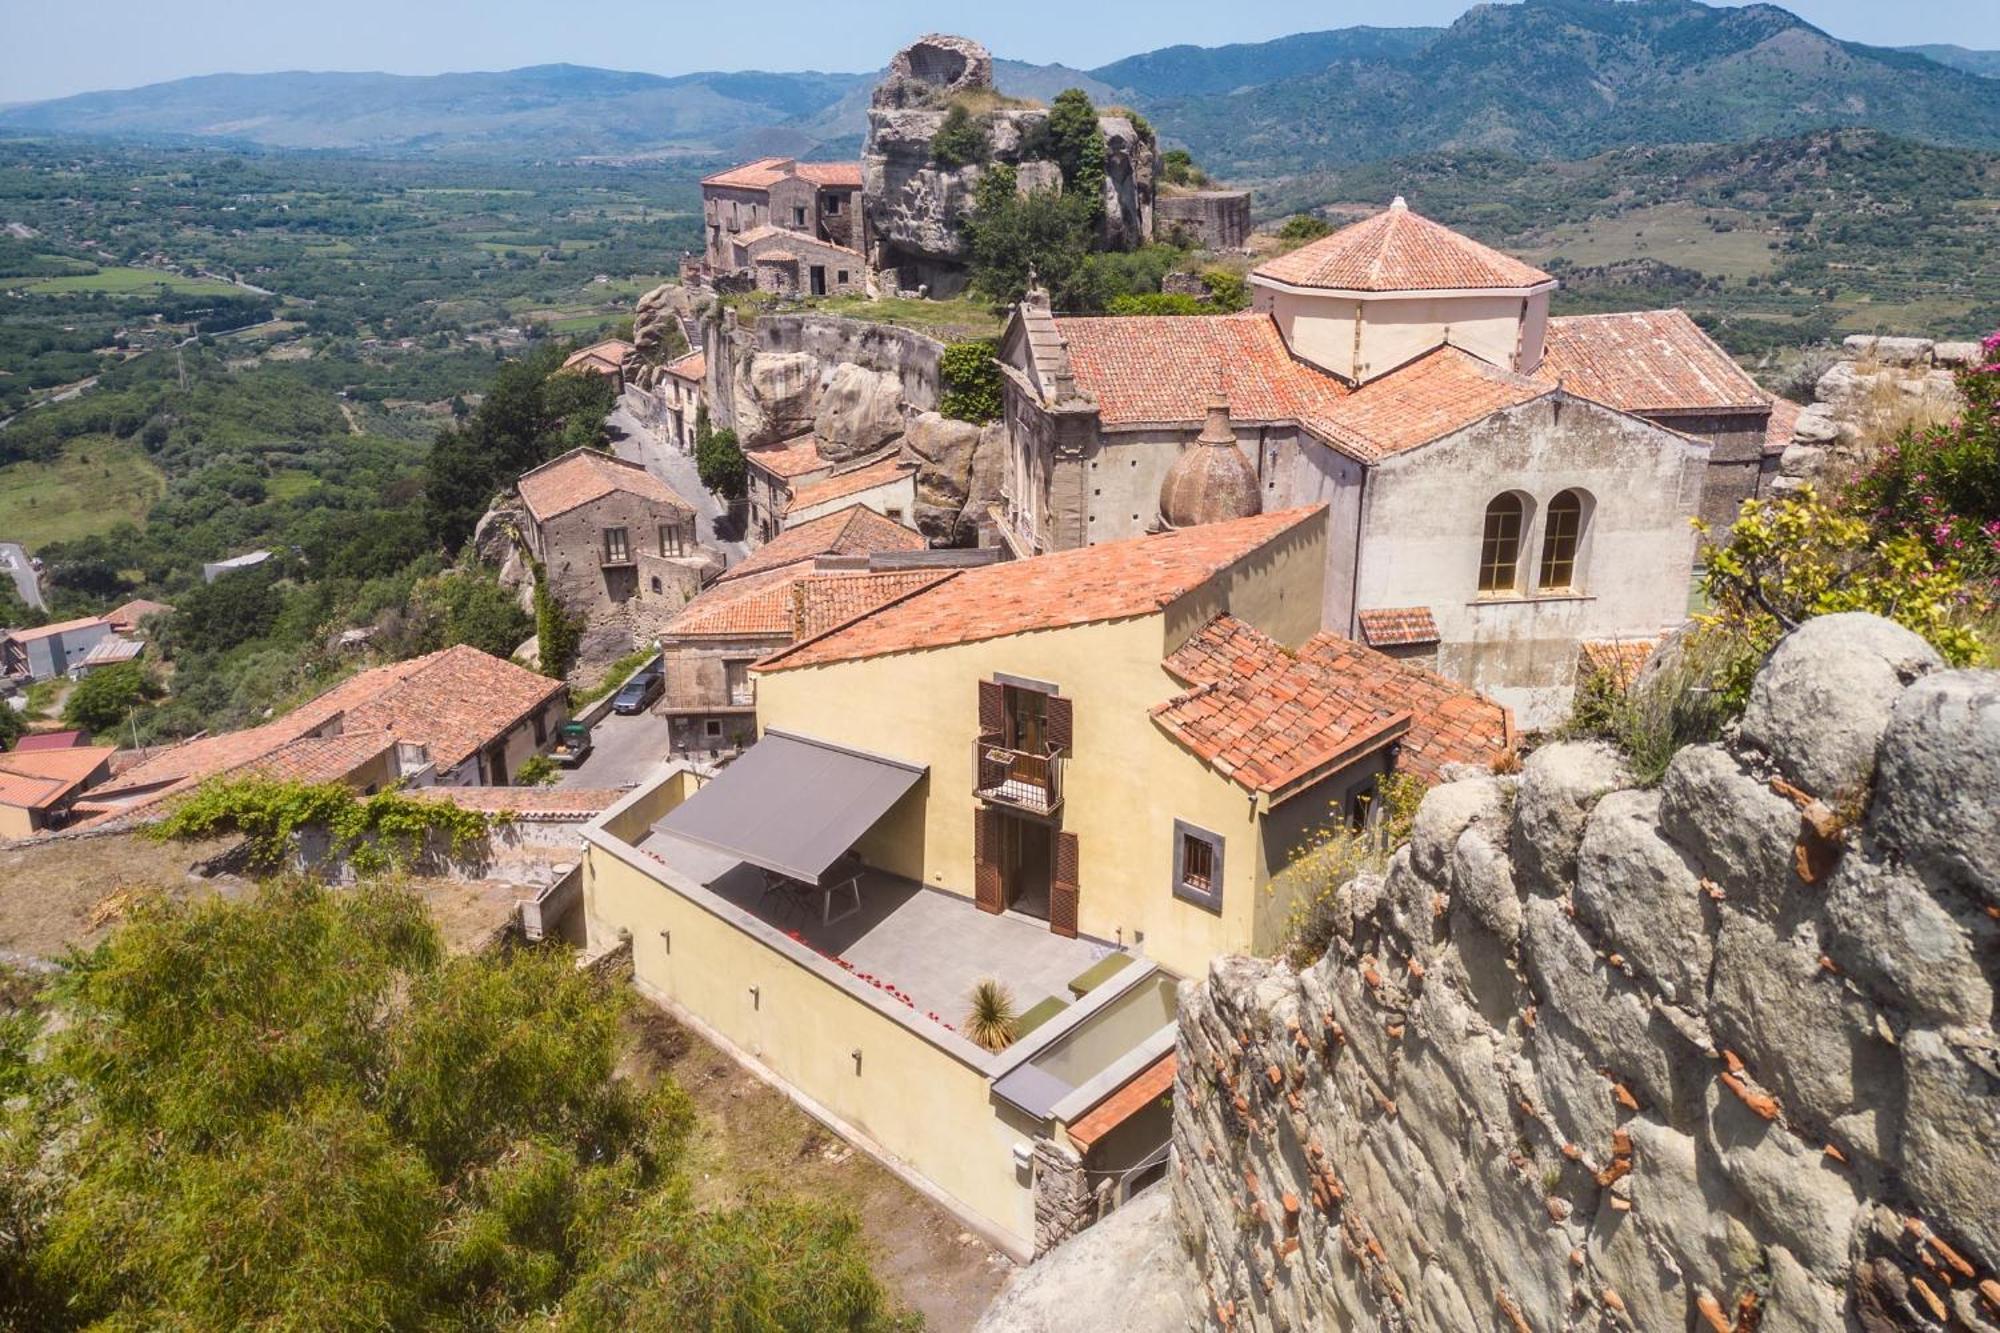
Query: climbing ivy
(373,834)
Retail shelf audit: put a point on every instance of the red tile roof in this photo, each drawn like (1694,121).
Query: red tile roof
(1399,251)
(41,778)
(1448,722)
(1152,1083)
(1142,369)
(1618,659)
(826,601)
(768,171)
(1443,391)
(774,257)
(754,607)
(693,366)
(1265,718)
(842,484)
(584,475)
(855,530)
(51,740)
(793,458)
(1109,582)
(1395,627)
(317,759)
(610,354)
(128,616)
(1647,361)
(1783,425)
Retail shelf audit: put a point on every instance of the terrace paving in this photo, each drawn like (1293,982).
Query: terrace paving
(930,945)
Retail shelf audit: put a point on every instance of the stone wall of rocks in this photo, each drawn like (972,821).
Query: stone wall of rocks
(1717,1055)
(1877,385)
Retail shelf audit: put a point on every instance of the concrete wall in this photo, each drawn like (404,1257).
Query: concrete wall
(1424,517)
(1597,1058)
(1361,339)
(920,1099)
(1126,782)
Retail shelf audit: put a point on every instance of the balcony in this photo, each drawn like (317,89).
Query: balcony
(1017,779)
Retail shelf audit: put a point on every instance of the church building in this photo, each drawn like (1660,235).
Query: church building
(1504,487)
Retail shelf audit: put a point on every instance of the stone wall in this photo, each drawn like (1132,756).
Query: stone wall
(1716,1055)
(1877,386)
(1209,219)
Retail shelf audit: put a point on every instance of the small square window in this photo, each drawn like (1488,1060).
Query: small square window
(714,730)
(1197,866)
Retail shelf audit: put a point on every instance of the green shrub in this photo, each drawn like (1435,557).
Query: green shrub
(1649,720)
(385,831)
(719,461)
(961,140)
(558,634)
(1302,227)
(972,381)
(1158,303)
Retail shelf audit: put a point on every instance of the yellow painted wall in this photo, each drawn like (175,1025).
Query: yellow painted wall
(16,822)
(1498,329)
(1126,781)
(917,1102)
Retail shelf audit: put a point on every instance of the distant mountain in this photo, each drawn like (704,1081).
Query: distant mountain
(541,111)
(1190,71)
(1566,78)
(1986,64)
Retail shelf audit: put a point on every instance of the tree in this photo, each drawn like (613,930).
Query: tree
(479,612)
(102,700)
(719,461)
(960,139)
(11,726)
(1077,146)
(1302,227)
(296,1111)
(558,634)
(239,606)
(1177,168)
(1010,233)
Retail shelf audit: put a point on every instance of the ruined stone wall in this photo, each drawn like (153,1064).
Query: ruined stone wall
(1714,1055)
(1210,219)
(1859,403)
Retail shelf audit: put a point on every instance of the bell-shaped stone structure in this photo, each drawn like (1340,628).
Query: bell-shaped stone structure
(1211,482)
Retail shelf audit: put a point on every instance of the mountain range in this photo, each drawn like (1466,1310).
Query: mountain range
(1540,78)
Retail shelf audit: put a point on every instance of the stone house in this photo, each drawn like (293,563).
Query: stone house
(679,395)
(606,358)
(455,718)
(796,482)
(809,201)
(757,608)
(1080,775)
(611,537)
(786,263)
(1524,483)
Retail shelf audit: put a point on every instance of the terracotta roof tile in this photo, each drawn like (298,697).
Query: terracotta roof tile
(1783,425)
(317,759)
(855,530)
(826,601)
(1619,659)
(753,607)
(41,778)
(1448,722)
(1157,368)
(51,740)
(1075,587)
(127,617)
(1395,627)
(1399,251)
(1148,1086)
(583,475)
(1647,361)
(792,458)
(693,366)
(1443,391)
(768,171)
(842,484)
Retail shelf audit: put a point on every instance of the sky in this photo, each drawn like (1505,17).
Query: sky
(51,48)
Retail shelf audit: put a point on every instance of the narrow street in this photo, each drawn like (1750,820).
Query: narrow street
(636,444)
(625,751)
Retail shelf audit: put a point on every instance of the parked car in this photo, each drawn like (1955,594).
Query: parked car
(572,744)
(638,693)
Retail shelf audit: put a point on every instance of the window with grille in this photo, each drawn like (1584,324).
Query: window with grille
(1197,866)
(617,546)
(1560,540)
(1500,549)
(741,689)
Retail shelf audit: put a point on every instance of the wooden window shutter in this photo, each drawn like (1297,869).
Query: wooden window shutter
(992,710)
(1061,717)
(1063,887)
(987,892)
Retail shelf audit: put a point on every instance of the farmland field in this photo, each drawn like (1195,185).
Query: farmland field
(128,281)
(97,483)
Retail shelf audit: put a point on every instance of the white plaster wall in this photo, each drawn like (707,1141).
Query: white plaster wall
(896,499)
(1424,515)
(1504,330)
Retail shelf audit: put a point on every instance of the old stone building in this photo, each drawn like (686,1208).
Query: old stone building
(606,358)
(797,482)
(678,395)
(611,538)
(816,201)
(1504,486)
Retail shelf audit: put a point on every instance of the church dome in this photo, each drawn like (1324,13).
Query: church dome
(1211,482)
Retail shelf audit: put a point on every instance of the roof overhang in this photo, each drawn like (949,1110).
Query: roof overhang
(793,805)
(1423,294)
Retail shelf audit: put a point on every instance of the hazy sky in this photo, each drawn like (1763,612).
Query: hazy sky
(49,48)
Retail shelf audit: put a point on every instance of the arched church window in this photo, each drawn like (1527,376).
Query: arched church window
(1561,537)
(1500,548)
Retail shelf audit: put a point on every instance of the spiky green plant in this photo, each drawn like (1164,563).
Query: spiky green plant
(990,1017)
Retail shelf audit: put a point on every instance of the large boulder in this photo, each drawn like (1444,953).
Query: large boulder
(859,411)
(1938,801)
(932,70)
(776,393)
(1889,351)
(1820,705)
(945,450)
(1634,888)
(1739,832)
(1908,948)
(1559,785)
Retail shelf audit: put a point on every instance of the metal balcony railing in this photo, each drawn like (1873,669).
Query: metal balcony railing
(1031,782)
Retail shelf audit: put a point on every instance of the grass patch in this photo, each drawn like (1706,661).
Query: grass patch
(128,281)
(96,484)
(614,676)
(1671,233)
(585,323)
(960,317)
(289,484)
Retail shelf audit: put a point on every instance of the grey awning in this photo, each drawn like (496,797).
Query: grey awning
(791,804)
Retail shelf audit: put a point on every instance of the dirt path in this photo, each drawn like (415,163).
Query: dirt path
(353,426)
(753,1142)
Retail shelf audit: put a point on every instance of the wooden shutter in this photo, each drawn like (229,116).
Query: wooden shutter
(987,891)
(992,710)
(1062,887)
(1060,719)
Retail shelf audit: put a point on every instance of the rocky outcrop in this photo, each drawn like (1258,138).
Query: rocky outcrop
(1718,1055)
(860,410)
(917,206)
(1878,386)
(776,396)
(1126,1274)
(958,475)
